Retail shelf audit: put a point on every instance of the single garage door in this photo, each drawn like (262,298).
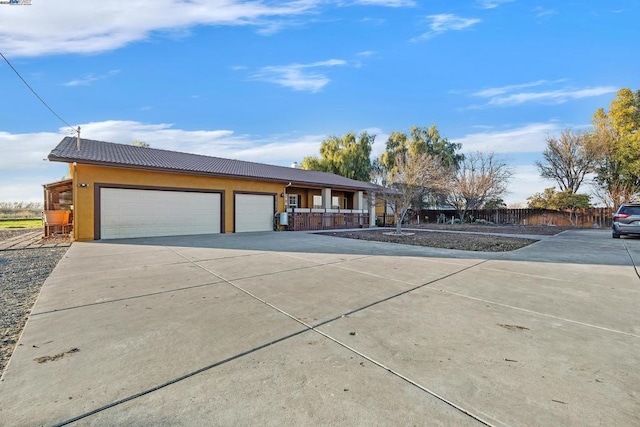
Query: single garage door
(147,213)
(254,212)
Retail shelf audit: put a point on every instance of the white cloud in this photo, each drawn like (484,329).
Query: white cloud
(90,78)
(511,95)
(22,168)
(492,4)
(387,3)
(72,26)
(442,23)
(374,21)
(494,91)
(530,138)
(24,152)
(366,53)
(23,171)
(542,12)
(28,188)
(551,97)
(300,77)
(528,141)
(525,182)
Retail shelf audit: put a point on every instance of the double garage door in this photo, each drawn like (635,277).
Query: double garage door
(126,213)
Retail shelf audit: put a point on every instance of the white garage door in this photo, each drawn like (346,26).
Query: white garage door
(147,213)
(254,212)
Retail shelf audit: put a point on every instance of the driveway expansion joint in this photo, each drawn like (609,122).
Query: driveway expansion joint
(336,341)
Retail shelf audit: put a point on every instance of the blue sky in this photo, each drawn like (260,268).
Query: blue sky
(267,81)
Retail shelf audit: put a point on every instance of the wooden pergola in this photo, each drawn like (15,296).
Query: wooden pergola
(58,207)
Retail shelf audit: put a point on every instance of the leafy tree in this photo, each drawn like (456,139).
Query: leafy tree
(348,156)
(616,142)
(568,160)
(141,144)
(565,200)
(544,200)
(404,148)
(420,140)
(558,200)
(481,177)
(493,204)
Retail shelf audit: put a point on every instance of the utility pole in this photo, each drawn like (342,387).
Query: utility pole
(78,139)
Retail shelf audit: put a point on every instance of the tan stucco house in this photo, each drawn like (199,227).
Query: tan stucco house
(121,191)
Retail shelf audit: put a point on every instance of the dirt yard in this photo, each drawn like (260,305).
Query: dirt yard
(436,236)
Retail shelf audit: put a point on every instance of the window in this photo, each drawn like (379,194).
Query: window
(293,200)
(317,202)
(335,202)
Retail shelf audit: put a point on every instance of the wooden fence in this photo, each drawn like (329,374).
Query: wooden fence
(585,218)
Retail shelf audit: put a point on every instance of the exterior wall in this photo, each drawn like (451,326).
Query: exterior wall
(310,194)
(306,196)
(302,193)
(86,177)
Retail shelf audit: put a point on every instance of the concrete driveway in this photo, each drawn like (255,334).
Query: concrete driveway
(302,329)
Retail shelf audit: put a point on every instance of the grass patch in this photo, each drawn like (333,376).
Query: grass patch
(21,223)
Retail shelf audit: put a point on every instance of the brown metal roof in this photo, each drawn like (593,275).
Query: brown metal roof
(130,156)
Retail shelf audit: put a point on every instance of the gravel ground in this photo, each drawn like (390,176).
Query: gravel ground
(465,242)
(22,273)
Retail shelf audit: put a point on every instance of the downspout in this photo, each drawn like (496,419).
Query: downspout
(74,186)
(285,196)
(285,203)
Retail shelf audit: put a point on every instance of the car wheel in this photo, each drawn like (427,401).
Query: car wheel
(615,236)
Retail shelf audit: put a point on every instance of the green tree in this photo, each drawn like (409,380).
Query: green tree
(348,156)
(544,200)
(568,159)
(495,203)
(402,147)
(616,141)
(141,144)
(565,200)
(421,140)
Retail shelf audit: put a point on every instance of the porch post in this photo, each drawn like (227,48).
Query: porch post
(372,209)
(326,198)
(358,200)
(326,204)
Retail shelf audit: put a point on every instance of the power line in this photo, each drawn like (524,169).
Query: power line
(36,94)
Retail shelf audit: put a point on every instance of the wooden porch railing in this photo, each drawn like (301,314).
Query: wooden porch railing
(304,221)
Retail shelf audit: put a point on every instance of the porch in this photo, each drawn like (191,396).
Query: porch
(301,219)
(58,208)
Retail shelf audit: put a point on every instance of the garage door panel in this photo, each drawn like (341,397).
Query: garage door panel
(254,212)
(148,213)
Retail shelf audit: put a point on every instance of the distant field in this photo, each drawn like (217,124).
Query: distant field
(21,223)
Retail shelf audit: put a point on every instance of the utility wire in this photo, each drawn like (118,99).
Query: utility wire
(36,94)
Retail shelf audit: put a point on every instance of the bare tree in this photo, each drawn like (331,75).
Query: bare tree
(614,193)
(482,177)
(568,160)
(411,180)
